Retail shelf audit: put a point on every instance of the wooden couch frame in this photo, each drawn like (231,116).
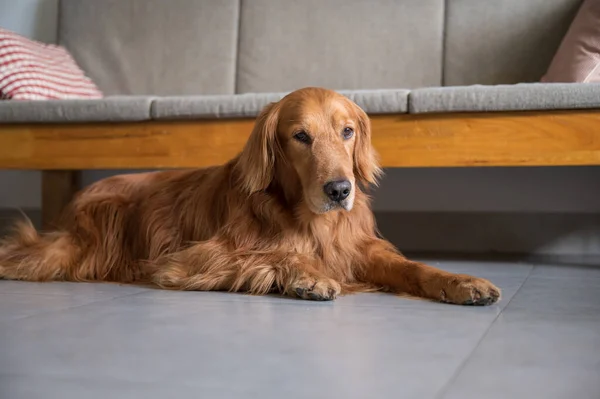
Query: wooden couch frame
(61,151)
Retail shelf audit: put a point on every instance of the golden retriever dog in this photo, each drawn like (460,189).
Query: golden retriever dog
(289,215)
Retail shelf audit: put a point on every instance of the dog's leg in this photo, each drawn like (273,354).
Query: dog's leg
(385,267)
(212,266)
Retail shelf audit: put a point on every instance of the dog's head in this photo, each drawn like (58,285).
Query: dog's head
(316,141)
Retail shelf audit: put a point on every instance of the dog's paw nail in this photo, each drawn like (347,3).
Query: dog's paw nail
(443,297)
(300,292)
(315,297)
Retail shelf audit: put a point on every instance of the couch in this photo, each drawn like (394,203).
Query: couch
(447,83)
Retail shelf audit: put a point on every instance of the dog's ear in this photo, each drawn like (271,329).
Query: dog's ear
(257,161)
(366,162)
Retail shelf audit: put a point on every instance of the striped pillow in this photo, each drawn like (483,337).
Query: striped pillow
(31,70)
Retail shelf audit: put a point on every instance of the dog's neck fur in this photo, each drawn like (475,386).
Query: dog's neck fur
(286,191)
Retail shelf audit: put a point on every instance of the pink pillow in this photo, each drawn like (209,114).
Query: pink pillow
(578,57)
(31,70)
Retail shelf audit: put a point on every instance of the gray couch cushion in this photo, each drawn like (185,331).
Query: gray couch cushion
(208,107)
(249,105)
(503,41)
(153,47)
(109,109)
(520,97)
(390,101)
(339,44)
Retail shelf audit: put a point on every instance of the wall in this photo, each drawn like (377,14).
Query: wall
(549,210)
(33,18)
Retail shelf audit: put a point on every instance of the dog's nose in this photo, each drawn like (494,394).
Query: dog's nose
(338,190)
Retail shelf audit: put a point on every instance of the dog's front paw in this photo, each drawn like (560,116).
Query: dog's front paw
(468,290)
(315,288)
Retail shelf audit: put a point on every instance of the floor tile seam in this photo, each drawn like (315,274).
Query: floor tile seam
(291,301)
(539,264)
(541,276)
(47,295)
(314,305)
(519,315)
(75,377)
(441,393)
(71,307)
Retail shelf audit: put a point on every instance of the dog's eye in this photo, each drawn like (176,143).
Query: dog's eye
(302,137)
(348,133)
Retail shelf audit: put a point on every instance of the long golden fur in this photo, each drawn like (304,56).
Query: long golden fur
(267,221)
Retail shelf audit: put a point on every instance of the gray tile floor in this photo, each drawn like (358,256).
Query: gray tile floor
(63,340)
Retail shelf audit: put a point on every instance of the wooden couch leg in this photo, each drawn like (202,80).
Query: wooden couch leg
(58,188)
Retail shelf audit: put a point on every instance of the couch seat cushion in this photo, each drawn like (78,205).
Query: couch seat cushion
(249,105)
(109,109)
(519,97)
